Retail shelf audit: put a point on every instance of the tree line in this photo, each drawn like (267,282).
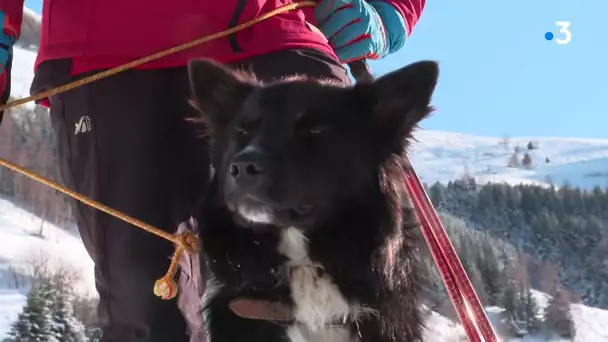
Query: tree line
(566,227)
(500,275)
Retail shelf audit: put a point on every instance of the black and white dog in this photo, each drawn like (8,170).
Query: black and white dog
(305,230)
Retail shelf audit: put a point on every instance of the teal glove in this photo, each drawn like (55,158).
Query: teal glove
(357,29)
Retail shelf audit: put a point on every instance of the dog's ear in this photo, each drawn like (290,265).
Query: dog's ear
(218,91)
(402,98)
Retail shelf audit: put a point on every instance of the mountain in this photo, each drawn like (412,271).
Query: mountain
(30,30)
(446,156)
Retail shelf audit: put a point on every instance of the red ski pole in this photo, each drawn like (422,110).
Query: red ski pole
(462,294)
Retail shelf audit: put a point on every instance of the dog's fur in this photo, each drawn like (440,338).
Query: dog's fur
(306,205)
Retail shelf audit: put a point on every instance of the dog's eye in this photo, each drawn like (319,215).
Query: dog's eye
(242,131)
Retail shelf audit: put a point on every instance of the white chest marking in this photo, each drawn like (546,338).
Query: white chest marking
(317,299)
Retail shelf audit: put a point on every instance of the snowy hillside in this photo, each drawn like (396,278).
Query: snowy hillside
(22,73)
(445,156)
(25,242)
(591,324)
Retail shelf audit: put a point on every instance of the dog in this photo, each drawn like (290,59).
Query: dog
(305,230)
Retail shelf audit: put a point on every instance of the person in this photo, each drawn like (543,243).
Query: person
(123,140)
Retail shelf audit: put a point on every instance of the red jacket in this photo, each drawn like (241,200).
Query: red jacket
(105,33)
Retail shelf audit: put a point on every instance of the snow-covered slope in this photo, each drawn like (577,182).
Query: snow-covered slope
(22,73)
(591,324)
(27,241)
(445,156)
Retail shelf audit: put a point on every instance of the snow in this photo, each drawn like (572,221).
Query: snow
(31,13)
(446,156)
(11,303)
(591,324)
(20,244)
(441,329)
(22,74)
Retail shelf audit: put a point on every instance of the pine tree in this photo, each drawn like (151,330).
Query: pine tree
(64,327)
(47,316)
(527,160)
(533,323)
(93,334)
(511,316)
(513,161)
(491,275)
(520,315)
(32,324)
(531,146)
(509,299)
(558,317)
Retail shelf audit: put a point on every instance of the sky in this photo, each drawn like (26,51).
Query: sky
(498,74)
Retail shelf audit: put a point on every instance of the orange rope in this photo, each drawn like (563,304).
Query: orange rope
(165,287)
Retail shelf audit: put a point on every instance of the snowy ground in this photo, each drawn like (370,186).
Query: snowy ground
(22,246)
(591,324)
(22,74)
(445,156)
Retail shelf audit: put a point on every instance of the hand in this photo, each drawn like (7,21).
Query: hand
(357,29)
(6,59)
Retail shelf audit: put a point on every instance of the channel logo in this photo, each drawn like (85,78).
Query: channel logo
(563,36)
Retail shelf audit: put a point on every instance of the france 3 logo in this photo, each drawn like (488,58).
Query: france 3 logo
(564,36)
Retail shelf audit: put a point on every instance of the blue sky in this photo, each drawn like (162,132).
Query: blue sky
(498,73)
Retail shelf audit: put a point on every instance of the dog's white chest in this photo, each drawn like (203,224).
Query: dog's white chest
(318,301)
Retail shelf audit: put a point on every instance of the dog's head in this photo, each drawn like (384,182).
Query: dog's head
(289,152)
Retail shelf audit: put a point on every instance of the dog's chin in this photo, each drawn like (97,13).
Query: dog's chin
(258,213)
(254,212)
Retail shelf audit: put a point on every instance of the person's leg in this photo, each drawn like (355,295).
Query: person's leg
(190,166)
(117,143)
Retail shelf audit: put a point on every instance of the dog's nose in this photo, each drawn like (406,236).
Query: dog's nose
(248,168)
(244,169)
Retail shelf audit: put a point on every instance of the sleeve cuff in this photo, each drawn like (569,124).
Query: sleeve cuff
(394,24)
